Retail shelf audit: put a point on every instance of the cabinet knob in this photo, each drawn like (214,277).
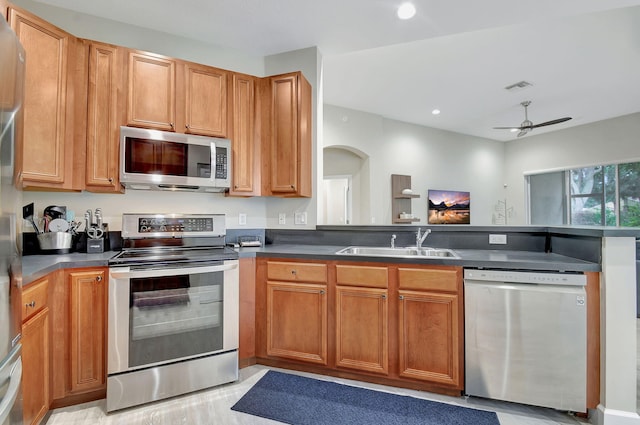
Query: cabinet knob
(31,304)
(293,187)
(110,180)
(99,278)
(293,272)
(402,297)
(186,126)
(322,292)
(384,297)
(171,124)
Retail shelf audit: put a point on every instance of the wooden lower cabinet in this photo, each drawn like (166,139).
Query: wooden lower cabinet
(87,329)
(297,321)
(377,322)
(361,329)
(36,352)
(35,377)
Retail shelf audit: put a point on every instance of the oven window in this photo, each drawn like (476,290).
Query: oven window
(175,317)
(144,156)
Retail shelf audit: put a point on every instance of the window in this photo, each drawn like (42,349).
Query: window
(602,195)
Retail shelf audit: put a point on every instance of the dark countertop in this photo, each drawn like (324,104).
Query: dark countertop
(37,266)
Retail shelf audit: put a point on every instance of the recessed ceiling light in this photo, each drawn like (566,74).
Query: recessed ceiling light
(406,11)
(436,112)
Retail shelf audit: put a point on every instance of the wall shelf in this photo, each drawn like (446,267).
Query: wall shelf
(400,202)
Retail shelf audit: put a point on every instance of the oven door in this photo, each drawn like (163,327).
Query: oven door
(170,313)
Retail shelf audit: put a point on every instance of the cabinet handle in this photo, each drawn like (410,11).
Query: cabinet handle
(31,304)
(402,297)
(293,187)
(171,124)
(186,126)
(384,297)
(293,272)
(99,278)
(110,180)
(322,292)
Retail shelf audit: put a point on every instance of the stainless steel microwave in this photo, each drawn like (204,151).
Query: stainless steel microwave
(161,160)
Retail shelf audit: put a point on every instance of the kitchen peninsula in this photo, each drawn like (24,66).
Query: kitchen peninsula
(609,253)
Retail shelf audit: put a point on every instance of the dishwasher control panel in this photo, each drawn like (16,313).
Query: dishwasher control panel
(513,276)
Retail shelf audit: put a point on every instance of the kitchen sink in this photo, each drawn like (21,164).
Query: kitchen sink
(408,252)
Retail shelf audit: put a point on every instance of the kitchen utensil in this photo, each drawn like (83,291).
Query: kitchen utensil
(27,214)
(55,211)
(58,225)
(95,232)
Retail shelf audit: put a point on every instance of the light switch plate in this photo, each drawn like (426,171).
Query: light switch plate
(300,218)
(282,218)
(497,239)
(242,219)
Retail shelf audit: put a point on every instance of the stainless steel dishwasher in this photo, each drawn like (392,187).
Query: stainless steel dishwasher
(526,337)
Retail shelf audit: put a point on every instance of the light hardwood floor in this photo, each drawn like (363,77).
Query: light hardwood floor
(213,406)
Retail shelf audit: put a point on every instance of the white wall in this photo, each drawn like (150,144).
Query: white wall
(435,159)
(609,141)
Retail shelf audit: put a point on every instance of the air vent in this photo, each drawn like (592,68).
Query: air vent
(520,85)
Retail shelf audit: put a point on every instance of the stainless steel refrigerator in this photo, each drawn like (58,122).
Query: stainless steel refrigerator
(12,60)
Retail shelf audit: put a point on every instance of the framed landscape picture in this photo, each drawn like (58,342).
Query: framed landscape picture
(449,207)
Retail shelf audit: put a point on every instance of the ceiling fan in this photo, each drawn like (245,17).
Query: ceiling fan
(526,125)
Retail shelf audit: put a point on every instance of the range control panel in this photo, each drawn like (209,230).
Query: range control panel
(172,225)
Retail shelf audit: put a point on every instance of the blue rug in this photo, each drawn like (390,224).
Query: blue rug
(298,400)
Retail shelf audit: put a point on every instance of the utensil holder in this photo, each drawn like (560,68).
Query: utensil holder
(55,242)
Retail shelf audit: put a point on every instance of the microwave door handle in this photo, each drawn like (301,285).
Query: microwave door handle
(171,272)
(212,175)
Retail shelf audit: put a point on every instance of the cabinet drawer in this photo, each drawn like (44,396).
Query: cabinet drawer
(429,279)
(34,298)
(296,272)
(373,277)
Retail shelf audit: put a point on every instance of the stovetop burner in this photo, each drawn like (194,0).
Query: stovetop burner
(168,254)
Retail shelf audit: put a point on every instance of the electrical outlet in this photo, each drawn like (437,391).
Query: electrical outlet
(498,239)
(282,218)
(300,218)
(242,219)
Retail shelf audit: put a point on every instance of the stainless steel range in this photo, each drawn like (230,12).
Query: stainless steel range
(173,308)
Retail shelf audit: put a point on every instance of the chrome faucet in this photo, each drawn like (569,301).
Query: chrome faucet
(421,237)
(393,241)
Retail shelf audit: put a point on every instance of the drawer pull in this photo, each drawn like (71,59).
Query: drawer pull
(99,278)
(384,297)
(322,292)
(402,297)
(31,304)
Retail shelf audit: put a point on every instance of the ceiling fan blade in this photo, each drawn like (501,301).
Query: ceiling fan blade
(557,121)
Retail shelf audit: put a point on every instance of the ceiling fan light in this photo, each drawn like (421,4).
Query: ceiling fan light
(406,10)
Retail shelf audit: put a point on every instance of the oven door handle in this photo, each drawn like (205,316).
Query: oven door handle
(171,272)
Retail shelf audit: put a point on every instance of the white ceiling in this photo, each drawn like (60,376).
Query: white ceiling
(582,56)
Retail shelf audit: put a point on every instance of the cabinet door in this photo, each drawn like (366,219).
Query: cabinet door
(205,100)
(290,131)
(35,372)
(87,307)
(297,321)
(361,329)
(429,337)
(103,124)
(151,91)
(42,156)
(243,139)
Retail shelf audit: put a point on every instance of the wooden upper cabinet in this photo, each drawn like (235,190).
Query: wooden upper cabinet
(151,91)
(287,129)
(103,119)
(46,152)
(245,156)
(205,93)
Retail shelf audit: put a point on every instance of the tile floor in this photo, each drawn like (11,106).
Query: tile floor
(213,407)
